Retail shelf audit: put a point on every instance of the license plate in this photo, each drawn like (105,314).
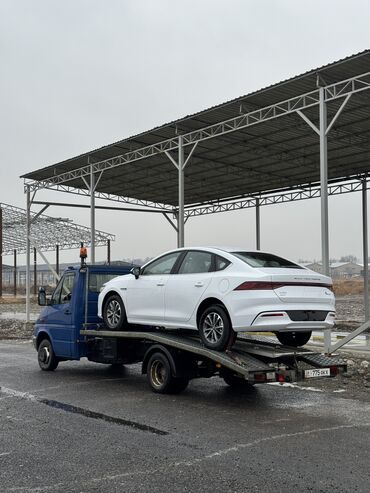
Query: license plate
(317,372)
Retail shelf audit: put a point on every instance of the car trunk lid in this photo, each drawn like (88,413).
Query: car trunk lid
(298,285)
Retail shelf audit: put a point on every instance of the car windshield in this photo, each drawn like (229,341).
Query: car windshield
(259,259)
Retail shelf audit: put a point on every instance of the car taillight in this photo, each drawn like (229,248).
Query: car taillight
(253,285)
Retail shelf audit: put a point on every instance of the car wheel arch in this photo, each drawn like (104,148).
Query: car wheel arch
(209,302)
(110,293)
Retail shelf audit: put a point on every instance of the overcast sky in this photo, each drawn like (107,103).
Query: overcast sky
(79,74)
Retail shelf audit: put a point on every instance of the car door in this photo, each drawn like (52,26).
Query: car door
(184,289)
(145,295)
(59,316)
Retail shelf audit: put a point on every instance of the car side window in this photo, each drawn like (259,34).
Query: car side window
(63,291)
(221,263)
(196,262)
(162,265)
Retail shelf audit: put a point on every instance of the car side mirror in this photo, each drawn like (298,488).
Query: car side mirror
(41,298)
(135,271)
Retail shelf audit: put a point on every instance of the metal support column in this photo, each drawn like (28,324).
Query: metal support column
(258,226)
(34,271)
(324,184)
(324,198)
(1,252)
(108,252)
(365,250)
(92,213)
(28,246)
(15,272)
(181,217)
(57,259)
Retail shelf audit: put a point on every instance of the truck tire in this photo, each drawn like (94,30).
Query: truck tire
(234,381)
(294,339)
(215,328)
(114,313)
(46,356)
(160,377)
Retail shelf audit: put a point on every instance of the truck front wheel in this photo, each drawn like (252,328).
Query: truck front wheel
(160,376)
(46,356)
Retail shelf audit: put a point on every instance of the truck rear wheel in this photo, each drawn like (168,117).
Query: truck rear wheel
(160,377)
(294,339)
(46,356)
(114,313)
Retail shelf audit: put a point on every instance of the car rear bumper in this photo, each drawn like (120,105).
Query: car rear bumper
(280,321)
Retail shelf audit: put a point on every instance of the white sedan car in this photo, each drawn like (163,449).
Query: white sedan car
(221,291)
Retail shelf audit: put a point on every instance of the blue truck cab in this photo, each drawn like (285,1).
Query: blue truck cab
(72,306)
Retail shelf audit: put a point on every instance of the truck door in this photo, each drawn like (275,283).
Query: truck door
(59,316)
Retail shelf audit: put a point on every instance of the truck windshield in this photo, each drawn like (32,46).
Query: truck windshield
(259,259)
(96,280)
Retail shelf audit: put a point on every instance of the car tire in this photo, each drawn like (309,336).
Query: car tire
(234,381)
(160,377)
(215,328)
(114,313)
(294,339)
(46,356)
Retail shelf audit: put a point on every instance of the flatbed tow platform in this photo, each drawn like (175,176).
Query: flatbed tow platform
(171,358)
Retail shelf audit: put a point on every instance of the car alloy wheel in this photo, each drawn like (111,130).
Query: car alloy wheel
(213,328)
(114,313)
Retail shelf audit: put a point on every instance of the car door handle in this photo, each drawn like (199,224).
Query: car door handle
(160,283)
(67,312)
(199,284)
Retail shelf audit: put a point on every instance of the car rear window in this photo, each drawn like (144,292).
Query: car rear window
(259,259)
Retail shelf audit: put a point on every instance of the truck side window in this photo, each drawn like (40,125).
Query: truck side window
(55,299)
(63,291)
(67,289)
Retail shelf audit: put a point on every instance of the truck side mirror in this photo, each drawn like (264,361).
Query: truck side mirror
(41,298)
(135,271)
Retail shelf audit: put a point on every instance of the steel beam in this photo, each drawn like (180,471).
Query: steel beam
(324,184)
(180,214)
(15,272)
(92,213)
(258,226)
(34,272)
(28,246)
(108,252)
(310,192)
(57,259)
(365,250)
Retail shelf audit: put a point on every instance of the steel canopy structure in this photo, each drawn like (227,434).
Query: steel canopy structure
(47,232)
(304,137)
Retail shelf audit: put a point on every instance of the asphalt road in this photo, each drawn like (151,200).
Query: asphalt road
(86,428)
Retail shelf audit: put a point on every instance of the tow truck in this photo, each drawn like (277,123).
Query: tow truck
(68,328)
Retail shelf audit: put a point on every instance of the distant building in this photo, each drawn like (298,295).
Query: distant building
(338,270)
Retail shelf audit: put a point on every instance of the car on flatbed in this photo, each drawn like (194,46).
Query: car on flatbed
(221,291)
(68,328)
